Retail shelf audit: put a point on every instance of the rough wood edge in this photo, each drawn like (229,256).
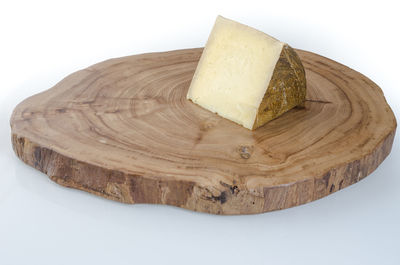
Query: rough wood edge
(127,188)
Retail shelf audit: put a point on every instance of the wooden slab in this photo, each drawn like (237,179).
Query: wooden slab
(123,129)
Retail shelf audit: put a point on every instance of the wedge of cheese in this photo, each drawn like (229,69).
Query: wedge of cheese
(247,76)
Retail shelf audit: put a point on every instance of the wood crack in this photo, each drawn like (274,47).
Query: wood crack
(318,101)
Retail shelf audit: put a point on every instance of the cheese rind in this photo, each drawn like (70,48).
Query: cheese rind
(235,73)
(286,90)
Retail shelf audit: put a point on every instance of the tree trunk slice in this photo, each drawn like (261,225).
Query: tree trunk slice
(123,129)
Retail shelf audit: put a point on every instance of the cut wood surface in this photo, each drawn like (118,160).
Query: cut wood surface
(123,129)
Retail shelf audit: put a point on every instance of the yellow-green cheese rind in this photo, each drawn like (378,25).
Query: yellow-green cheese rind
(286,90)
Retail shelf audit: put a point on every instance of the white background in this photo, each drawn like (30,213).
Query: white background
(44,223)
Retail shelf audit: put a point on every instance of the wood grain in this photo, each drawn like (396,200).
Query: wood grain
(123,129)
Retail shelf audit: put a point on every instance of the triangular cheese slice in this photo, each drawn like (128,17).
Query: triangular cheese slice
(247,76)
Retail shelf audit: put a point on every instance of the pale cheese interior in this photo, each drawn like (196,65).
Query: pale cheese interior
(234,71)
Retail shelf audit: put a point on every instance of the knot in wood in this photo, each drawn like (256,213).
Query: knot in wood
(245,152)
